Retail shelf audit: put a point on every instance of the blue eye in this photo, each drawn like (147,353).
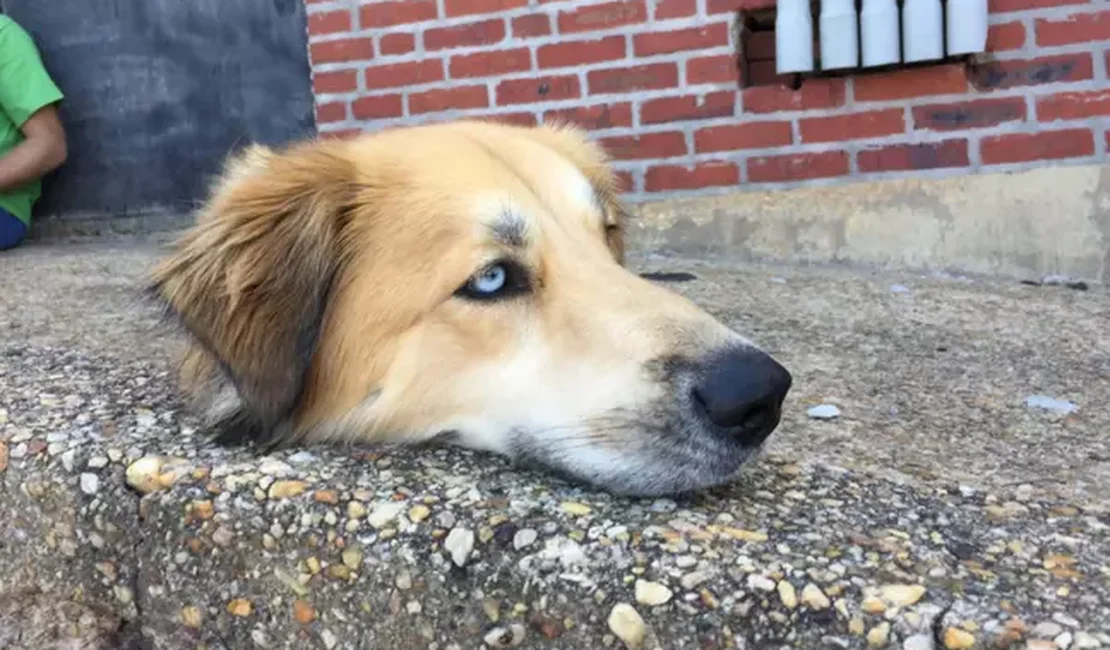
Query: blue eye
(489,280)
(496,281)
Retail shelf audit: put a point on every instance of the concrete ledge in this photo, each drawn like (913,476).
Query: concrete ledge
(937,501)
(1053,220)
(1030,223)
(159,223)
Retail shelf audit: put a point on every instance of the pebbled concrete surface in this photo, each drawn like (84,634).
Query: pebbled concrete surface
(938,510)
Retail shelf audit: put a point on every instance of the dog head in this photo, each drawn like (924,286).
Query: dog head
(459,280)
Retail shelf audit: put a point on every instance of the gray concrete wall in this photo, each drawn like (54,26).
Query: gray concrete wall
(1053,220)
(1026,224)
(158,92)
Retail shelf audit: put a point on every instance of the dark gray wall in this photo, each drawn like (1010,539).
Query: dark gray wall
(159,91)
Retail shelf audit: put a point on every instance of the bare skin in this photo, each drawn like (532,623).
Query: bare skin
(42,151)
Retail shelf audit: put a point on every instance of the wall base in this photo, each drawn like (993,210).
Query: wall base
(1033,223)
(159,224)
(1025,224)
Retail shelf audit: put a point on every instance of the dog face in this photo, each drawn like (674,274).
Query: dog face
(458,282)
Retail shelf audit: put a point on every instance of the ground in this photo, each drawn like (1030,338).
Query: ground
(939,507)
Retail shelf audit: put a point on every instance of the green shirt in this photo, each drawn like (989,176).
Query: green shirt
(25,87)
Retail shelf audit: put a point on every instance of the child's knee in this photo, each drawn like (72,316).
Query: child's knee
(12,231)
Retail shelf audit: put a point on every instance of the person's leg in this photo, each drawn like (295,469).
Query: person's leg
(12,230)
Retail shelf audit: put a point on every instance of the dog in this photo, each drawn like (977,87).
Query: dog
(461,282)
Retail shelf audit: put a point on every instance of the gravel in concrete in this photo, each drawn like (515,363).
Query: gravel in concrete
(937,509)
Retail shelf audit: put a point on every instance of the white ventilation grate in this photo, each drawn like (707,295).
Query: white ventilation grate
(879,34)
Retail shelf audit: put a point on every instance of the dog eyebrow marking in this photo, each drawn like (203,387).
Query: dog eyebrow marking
(510,229)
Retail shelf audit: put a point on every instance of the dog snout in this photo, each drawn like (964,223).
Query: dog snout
(741,392)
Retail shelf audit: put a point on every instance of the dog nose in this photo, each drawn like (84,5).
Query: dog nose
(742,391)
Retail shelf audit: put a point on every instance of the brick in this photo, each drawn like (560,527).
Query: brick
(538,89)
(342,51)
(650,76)
(339,81)
(571,53)
(392,44)
(645,145)
(908,83)
(598,116)
(1006,36)
(409,73)
(470,7)
(723,6)
(1077,28)
(814,94)
(398,12)
(625,181)
(489,64)
(720,68)
(1043,145)
(377,106)
(531,25)
(661,178)
(666,9)
(331,112)
(748,135)
(797,167)
(1073,105)
(916,156)
(1004,6)
(519,118)
(602,16)
(443,99)
(688,107)
(969,114)
(341,134)
(870,124)
(680,40)
(1011,73)
(485,32)
(329,22)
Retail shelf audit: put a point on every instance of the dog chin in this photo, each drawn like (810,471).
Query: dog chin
(655,467)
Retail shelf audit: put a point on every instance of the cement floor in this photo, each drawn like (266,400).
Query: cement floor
(937,504)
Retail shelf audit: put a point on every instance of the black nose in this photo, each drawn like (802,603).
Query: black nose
(742,392)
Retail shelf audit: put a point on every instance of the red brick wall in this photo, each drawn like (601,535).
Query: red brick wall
(657,82)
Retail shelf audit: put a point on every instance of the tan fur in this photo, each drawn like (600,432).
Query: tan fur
(319,285)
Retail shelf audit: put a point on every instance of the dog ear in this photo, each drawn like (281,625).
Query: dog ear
(616,214)
(250,281)
(593,161)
